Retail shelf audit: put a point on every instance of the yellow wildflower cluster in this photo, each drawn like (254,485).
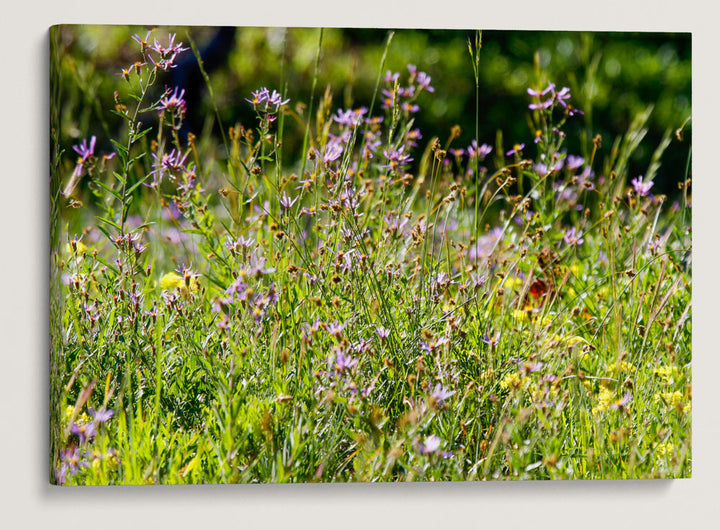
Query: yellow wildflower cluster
(673,400)
(512,282)
(545,322)
(173,280)
(80,248)
(515,381)
(621,367)
(666,373)
(665,451)
(605,398)
(520,316)
(82,419)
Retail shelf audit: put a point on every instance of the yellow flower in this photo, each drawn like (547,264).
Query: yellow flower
(666,373)
(512,282)
(80,247)
(605,399)
(67,414)
(664,451)
(621,366)
(672,399)
(519,315)
(173,280)
(545,322)
(513,381)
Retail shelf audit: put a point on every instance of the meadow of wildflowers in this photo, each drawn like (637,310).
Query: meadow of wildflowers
(324,291)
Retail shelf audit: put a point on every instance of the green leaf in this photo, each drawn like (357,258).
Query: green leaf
(138,183)
(119,177)
(123,116)
(122,150)
(141,134)
(109,190)
(108,221)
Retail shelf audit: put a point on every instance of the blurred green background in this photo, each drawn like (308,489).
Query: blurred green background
(612,77)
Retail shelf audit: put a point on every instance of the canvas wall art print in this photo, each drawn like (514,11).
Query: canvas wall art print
(359,255)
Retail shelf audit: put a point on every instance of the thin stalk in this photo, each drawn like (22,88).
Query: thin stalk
(306,138)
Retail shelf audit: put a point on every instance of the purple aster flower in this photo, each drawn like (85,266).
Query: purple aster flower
(394,224)
(641,188)
(517,149)
(412,137)
(442,280)
(173,102)
(563,95)
(481,152)
(335,328)
(84,150)
(397,158)
(574,162)
(333,150)
(545,92)
(476,280)
(256,267)
(441,394)
(142,42)
(102,415)
(622,402)
(541,94)
(573,237)
(167,53)
(542,105)
(433,344)
(391,77)
(287,202)
(382,332)
(84,431)
(491,341)
(409,107)
(343,362)
(430,445)
(388,98)
(571,111)
(258,97)
(350,118)
(263,101)
(70,461)
(172,163)
(424,81)
(276,99)
(541,168)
